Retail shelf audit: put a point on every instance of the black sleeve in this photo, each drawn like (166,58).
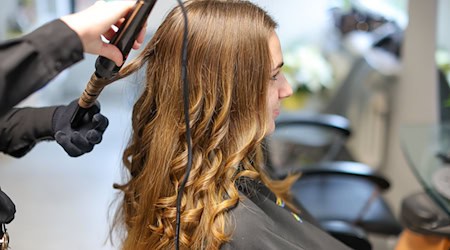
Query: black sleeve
(30,62)
(21,129)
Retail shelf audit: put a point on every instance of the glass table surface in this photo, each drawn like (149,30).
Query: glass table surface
(422,144)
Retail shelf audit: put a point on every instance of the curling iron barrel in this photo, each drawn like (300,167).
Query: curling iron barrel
(106,69)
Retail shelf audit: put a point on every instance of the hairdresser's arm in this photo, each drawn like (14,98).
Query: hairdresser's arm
(31,61)
(28,63)
(22,128)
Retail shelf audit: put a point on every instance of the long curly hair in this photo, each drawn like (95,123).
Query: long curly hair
(229,65)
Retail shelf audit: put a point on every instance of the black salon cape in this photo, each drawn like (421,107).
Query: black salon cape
(27,64)
(260,224)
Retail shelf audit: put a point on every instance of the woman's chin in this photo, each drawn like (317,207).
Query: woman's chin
(270,128)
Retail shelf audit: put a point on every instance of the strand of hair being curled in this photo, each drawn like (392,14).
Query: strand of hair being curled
(228,70)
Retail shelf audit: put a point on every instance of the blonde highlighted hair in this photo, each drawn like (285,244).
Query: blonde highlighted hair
(229,66)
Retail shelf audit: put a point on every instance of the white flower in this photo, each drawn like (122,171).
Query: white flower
(306,66)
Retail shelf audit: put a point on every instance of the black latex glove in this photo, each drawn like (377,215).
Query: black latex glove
(83,138)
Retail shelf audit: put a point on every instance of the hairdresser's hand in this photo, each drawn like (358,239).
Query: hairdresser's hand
(82,139)
(95,21)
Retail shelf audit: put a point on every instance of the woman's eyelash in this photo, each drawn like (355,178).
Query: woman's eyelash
(274,77)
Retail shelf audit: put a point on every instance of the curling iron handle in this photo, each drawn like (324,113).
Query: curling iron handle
(88,98)
(92,90)
(125,37)
(106,69)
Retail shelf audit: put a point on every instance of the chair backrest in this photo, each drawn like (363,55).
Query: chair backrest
(303,138)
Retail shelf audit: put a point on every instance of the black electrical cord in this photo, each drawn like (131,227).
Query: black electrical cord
(186,120)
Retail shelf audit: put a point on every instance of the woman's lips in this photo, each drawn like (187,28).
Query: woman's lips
(276,113)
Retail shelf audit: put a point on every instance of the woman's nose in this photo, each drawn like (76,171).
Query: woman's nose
(286,89)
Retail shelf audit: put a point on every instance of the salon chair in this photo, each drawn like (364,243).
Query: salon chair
(321,137)
(346,191)
(351,235)
(345,198)
(338,193)
(333,187)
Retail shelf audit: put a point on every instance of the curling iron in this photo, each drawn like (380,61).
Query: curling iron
(106,69)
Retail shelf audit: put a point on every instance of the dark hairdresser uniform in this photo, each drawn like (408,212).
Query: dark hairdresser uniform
(27,64)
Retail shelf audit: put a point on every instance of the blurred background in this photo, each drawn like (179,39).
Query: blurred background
(384,65)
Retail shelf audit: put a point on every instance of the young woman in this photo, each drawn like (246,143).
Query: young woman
(236,85)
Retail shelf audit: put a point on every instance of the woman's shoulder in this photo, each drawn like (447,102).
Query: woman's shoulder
(259,222)
(253,229)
